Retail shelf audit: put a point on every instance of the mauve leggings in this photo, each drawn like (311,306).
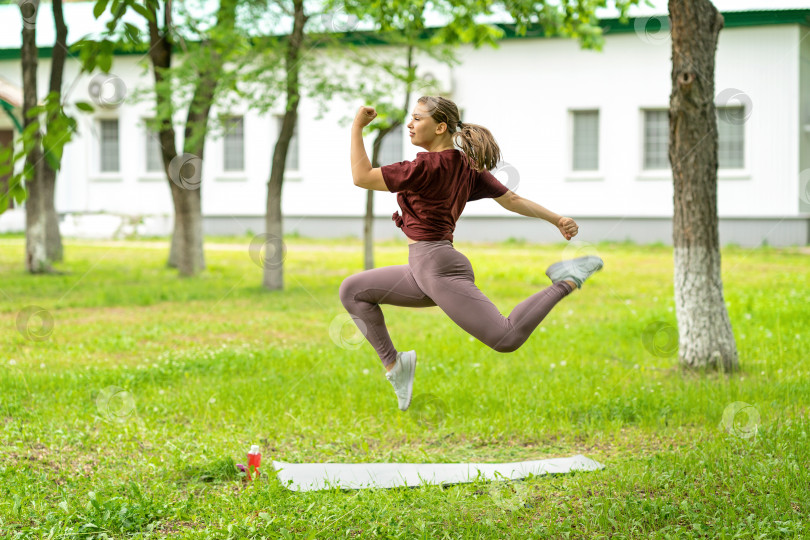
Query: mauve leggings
(438,275)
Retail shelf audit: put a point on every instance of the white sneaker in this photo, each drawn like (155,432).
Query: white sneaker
(401,377)
(577,270)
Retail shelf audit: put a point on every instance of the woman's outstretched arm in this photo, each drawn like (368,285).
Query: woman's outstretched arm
(520,205)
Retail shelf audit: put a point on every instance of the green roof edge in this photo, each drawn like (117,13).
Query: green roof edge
(609,26)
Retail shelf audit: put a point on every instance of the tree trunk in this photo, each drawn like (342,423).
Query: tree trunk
(53,238)
(368,221)
(273,275)
(186,251)
(187,241)
(160,53)
(184,172)
(36,255)
(368,232)
(706,338)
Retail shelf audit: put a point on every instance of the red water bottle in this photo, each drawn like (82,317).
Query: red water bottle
(254,460)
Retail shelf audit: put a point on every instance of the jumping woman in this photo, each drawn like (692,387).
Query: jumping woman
(432,190)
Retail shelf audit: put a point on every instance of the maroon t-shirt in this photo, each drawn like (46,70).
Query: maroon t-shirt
(433,189)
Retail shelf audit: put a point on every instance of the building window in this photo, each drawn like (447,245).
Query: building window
(234,146)
(586,141)
(391,148)
(154,152)
(108,146)
(292,152)
(656,139)
(730,137)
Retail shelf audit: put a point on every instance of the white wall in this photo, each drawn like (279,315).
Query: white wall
(523,91)
(801,181)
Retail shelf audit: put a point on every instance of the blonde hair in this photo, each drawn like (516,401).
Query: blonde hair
(475,141)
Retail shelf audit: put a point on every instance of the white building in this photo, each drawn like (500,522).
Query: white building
(583,132)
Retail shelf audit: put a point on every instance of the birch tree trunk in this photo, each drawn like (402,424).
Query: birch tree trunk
(36,257)
(53,239)
(706,339)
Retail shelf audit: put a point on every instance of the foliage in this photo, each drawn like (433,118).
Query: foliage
(60,130)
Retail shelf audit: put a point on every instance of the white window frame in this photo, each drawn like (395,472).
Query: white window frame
(572,175)
(644,170)
(226,119)
(146,139)
(666,174)
(731,170)
(94,159)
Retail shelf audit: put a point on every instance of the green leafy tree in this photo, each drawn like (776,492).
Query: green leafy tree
(299,63)
(213,49)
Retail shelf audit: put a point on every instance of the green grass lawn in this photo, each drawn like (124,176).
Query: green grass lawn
(126,417)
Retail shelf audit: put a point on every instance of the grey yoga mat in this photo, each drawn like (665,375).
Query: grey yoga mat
(317,476)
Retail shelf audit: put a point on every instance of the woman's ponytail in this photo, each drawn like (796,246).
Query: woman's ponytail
(478,145)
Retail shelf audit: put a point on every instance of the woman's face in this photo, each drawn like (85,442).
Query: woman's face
(422,128)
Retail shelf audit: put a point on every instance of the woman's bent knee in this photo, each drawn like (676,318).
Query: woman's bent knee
(506,345)
(347,290)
